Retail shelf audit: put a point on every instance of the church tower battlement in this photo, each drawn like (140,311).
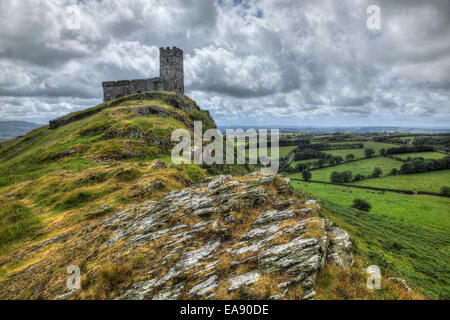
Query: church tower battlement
(171,78)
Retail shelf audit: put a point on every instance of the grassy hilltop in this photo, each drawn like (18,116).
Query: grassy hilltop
(50,179)
(72,192)
(83,168)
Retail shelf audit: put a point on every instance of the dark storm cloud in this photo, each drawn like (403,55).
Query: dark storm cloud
(294,62)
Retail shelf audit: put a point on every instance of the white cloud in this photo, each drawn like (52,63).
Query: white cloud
(268,61)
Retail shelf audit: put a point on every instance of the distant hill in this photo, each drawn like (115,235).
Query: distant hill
(13,129)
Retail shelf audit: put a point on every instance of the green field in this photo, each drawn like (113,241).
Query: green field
(284,151)
(358,153)
(294,163)
(425,155)
(426,210)
(364,167)
(376,146)
(379,145)
(406,235)
(428,181)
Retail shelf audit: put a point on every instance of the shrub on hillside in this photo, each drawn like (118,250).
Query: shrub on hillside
(445,191)
(335,177)
(300,167)
(341,177)
(361,204)
(359,177)
(306,174)
(393,172)
(369,153)
(377,172)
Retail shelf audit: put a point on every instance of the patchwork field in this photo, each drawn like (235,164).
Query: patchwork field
(428,181)
(428,211)
(364,167)
(406,235)
(357,153)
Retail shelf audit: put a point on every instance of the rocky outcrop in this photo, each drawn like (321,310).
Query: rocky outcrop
(340,248)
(221,238)
(256,250)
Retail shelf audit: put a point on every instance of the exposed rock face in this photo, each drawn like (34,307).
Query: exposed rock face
(341,253)
(223,237)
(300,258)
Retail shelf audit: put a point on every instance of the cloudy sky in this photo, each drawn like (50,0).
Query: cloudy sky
(260,62)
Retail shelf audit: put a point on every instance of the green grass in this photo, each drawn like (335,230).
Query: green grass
(358,153)
(76,199)
(128,175)
(425,155)
(364,167)
(283,151)
(426,210)
(38,153)
(294,163)
(376,146)
(428,181)
(406,235)
(16,223)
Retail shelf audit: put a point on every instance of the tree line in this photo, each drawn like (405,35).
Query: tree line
(405,149)
(347,176)
(307,145)
(420,165)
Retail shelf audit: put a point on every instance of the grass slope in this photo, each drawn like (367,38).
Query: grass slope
(16,222)
(82,144)
(405,235)
(425,210)
(62,178)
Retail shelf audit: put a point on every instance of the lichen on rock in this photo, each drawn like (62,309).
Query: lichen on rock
(214,240)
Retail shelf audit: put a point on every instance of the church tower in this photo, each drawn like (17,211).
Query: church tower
(171,69)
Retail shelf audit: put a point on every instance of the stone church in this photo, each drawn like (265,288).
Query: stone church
(171,77)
